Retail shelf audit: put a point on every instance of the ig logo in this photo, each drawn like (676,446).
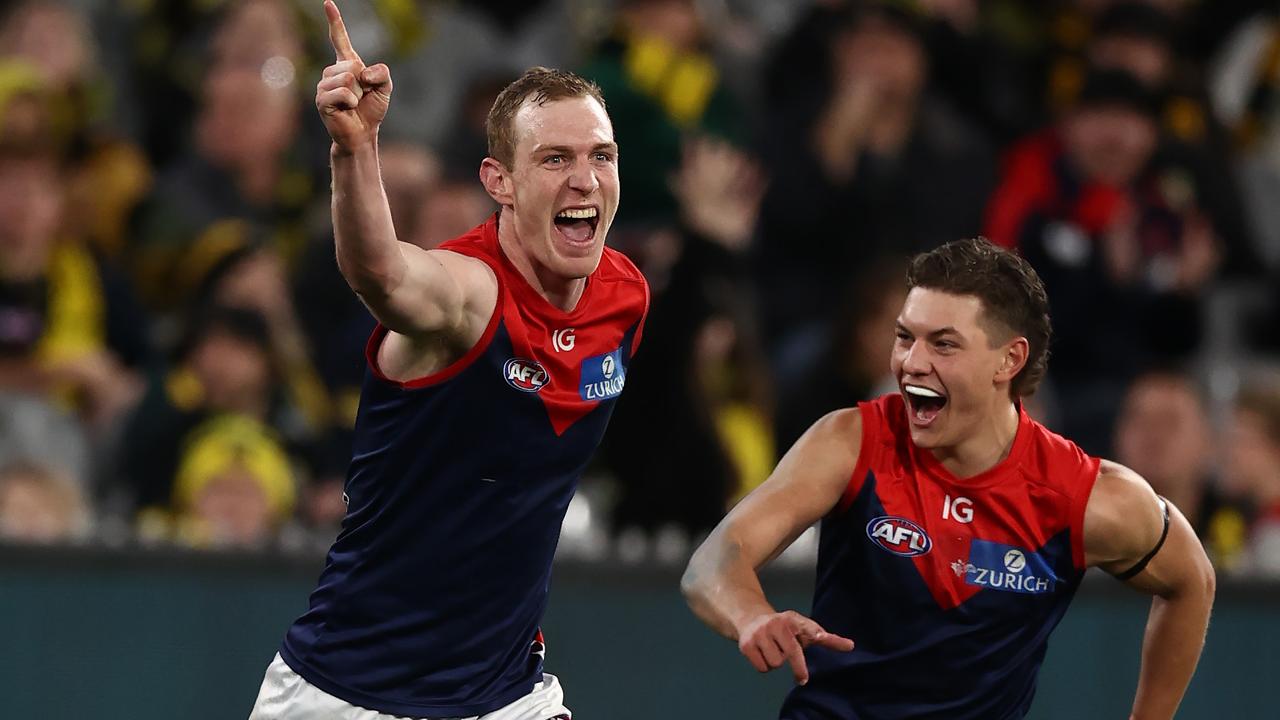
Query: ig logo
(562,340)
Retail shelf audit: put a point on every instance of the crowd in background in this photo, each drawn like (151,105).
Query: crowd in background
(180,360)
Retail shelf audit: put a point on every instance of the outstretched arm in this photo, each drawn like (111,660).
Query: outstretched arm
(413,292)
(721,582)
(1124,523)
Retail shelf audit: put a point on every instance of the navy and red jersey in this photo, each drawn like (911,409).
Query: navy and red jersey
(432,593)
(948,587)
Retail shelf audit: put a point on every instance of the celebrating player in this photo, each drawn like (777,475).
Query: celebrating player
(955,529)
(492,374)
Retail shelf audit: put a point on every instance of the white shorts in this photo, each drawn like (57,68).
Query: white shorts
(285,695)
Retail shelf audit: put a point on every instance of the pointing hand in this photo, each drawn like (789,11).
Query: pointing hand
(352,98)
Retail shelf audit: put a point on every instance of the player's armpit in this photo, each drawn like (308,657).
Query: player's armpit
(441,292)
(720,583)
(441,319)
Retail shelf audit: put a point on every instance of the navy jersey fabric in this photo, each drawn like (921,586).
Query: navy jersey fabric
(949,587)
(433,591)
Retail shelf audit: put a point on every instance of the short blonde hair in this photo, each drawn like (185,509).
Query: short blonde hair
(538,85)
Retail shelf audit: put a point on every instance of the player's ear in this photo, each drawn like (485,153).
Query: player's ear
(496,179)
(1013,359)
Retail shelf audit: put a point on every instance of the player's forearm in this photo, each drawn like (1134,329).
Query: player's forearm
(1170,650)
(722,588)
(369,255)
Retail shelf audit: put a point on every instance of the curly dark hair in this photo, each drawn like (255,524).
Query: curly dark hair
(538,85)
(1012,294)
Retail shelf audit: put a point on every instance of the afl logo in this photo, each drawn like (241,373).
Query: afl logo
(899,536)
(524,375)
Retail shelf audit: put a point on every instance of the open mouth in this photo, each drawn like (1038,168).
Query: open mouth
(577,225)
(924,403)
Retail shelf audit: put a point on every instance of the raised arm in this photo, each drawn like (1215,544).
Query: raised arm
(721,582)
(413,292)
(1124,524)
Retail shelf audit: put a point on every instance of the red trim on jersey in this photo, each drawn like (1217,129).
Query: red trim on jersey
(462,363)
(1080,504)
(870,420)
(644,313)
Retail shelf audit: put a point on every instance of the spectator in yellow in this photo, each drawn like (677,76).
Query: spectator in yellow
(234,486)
(70,330)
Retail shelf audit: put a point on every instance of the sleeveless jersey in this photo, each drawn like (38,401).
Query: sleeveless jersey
(949,588)
(431,595)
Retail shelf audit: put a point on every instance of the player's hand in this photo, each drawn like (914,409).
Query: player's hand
(775,639)
(352,98)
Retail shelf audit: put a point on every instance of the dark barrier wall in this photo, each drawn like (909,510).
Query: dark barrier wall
(140,636)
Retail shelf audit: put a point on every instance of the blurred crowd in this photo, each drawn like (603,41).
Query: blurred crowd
(180,360)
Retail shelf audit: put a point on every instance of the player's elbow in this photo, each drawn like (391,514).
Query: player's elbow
(1209,582)
(699,575)
(1199,586)
(692,586)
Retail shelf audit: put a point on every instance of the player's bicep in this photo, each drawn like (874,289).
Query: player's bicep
(440,292)
(805,486)
(1180,563)
(1139,537)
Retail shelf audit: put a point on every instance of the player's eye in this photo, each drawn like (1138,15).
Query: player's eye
(554,160)
(603,157)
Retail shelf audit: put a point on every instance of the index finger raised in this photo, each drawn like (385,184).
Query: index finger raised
(338,33)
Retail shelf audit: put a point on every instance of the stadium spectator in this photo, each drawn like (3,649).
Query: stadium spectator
(1164,434)
(251,276)
(662,83)
(847,365)
(225,367)
(242,168)
(234,486)
(1193,154)
(70,331)
(450,208)
(1124,257)
(1253,464)
(1245,87)
(106,175)
(862,161)
(39,504)
(984,63)
(699,389)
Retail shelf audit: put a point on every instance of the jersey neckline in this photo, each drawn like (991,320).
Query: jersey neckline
(521,288)
(1021,441)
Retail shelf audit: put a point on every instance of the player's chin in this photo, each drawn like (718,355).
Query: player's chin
(930,435)
(577,260)
(926,438)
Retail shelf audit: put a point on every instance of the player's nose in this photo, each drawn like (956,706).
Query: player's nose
(583,178)
(915,360)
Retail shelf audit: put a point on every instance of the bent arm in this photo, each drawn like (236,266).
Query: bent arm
(1123,523)
(409,290)
(721,583)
